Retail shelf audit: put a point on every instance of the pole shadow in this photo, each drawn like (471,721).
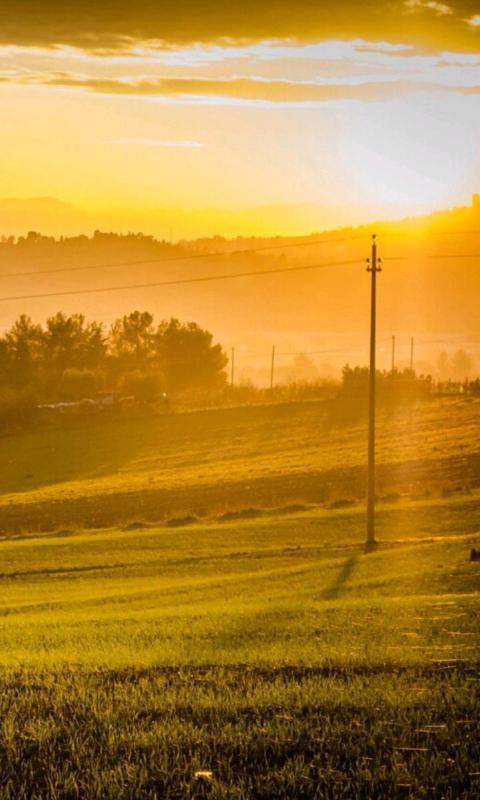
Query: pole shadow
(335,589)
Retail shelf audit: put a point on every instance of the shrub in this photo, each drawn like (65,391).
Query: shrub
(144,386)
(77,384)
(17,408)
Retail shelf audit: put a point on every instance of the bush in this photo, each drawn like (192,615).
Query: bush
(144,386)
(76,384)
(17,408)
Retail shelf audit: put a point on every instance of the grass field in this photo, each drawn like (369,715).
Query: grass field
(107,471)
(269,651)
(249,654)
(283,588)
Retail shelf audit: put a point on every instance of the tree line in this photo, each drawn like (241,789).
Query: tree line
(69,358)
(349,403)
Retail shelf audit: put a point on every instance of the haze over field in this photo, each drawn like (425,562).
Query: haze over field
(428,290)
(239,558)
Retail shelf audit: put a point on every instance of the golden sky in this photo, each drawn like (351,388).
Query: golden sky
(359,110)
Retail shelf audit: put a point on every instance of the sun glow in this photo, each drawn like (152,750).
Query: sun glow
(409,156)
(355,130)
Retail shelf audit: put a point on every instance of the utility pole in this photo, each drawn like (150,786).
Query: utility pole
(411,353)
(373,267)
(393,355)
(232,361)
(272,369)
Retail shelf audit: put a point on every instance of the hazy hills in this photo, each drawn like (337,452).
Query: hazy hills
(47,214)
(429,287)
(54,217)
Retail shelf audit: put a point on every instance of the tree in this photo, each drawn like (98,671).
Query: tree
(443,365)
(71,342)
(304,368)
(70,357)
(23,351)
(188,358)
(131,340)
(462,365)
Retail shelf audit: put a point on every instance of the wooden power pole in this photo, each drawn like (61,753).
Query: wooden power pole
(272,370)
(374,266)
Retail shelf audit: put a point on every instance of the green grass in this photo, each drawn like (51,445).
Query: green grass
(104,472)
(281,589)
(263,647)
(267,735)
(271,652)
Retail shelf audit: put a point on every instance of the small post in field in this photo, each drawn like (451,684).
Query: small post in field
(272,369)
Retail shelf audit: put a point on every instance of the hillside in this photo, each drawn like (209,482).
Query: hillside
(132,468)
(423,294)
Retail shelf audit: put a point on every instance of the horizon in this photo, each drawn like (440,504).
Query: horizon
(22,215)
(361,116)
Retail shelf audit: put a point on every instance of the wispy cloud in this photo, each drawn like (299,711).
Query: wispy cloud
(237,90)
(439,9)
(242,89)
(270,73)
(155,143)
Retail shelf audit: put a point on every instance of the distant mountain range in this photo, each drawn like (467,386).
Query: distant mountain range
(44,214)
(53,217)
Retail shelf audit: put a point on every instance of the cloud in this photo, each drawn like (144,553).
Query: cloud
(440,9)
(240,89)
(155,143)
(106,26)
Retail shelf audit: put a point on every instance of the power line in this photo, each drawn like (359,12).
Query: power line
(272,368)
(221,253)
(433,256)
(431,233)
(178,282)
(452,342)
(345,350)
(232,365)
(203,279)
(172,259)
(454,255)
(374,266)
(167,259)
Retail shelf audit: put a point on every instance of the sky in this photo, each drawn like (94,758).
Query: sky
(237,117)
